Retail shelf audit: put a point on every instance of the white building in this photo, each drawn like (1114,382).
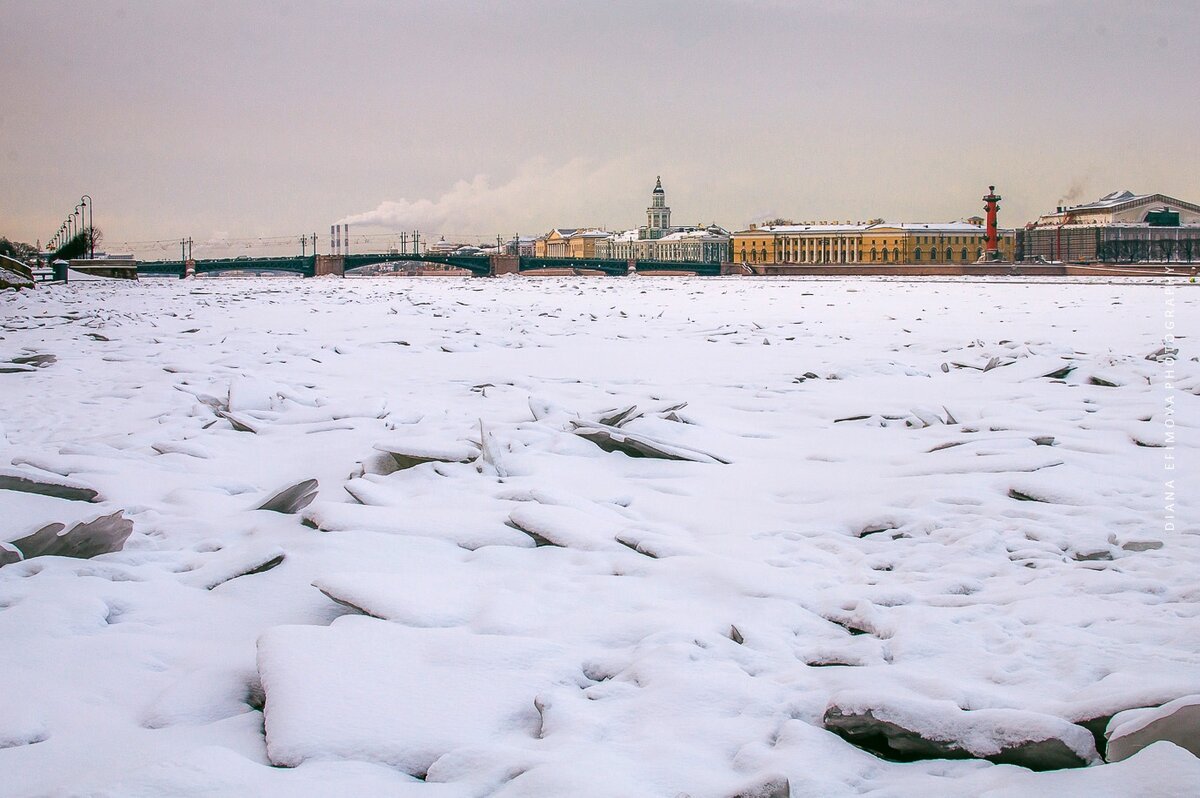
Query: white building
(658,215)
(692,244)
(659,240)
(524,246)
(1121,227)
(1125,207)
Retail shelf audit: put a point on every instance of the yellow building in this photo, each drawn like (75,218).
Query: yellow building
(569,243)
(877,243)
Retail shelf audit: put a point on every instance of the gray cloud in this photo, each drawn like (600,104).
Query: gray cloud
(279,118)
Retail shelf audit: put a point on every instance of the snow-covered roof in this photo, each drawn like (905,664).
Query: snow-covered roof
(813,228)
(693,235)
(935,227)
(915,227)
(1110,201)
(1119,199)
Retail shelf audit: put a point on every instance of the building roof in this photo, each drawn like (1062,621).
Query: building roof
(658,189)
(935,227)
(1119,200)
(912,227)
(1110,201)
(814,228)
(692,235)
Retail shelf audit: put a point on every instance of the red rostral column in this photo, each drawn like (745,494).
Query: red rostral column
(992,206)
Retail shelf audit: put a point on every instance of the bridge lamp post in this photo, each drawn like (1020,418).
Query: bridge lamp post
(89,208)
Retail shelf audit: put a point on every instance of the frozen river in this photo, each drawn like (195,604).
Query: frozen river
(871,521)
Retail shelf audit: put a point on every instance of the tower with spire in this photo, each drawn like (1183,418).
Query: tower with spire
(658,215)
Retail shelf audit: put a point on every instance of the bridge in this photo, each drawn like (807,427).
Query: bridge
(477,265)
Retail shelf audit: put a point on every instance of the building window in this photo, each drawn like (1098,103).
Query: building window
(964,253)
(978,253)
(917,254)
(896,254)
(885,256)
(874,253)
(949,254)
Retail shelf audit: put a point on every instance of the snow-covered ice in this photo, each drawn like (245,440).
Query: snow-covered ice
(394,537)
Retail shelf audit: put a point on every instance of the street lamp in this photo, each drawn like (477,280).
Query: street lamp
(89,207)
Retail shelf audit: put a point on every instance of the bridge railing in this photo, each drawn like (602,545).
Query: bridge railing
(476,264)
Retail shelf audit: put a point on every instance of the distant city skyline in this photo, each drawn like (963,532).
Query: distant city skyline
(229,120)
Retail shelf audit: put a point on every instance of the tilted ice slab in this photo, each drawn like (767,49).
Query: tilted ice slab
(1177,721)
(370,690)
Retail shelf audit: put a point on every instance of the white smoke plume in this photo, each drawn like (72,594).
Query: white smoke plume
(575,194)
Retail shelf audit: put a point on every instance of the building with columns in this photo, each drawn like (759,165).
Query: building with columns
(1121,227)
(658,239)
(696,244)
(875,243)
(569,243)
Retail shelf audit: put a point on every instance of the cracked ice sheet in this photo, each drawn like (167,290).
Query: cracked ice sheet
(845,554)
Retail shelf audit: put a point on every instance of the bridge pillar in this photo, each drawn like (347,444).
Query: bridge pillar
(631,266)
(329,264)
(503,264)
(189,268)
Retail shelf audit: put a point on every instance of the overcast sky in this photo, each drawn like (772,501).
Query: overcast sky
(282,117)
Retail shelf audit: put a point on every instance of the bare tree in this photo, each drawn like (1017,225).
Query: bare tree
(1166,248)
